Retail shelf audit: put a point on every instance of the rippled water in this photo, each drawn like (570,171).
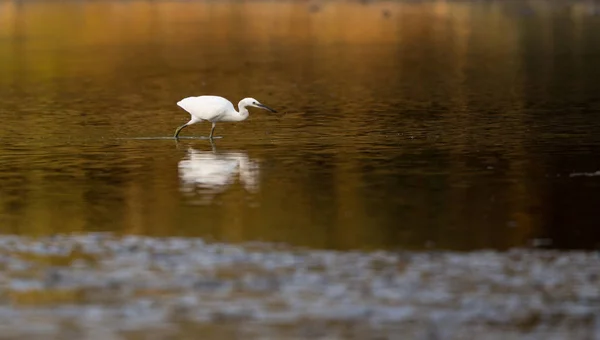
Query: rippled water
(402,125)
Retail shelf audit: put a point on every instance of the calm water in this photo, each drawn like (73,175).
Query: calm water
(401,125)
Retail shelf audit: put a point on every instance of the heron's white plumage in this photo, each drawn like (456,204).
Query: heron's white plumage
(216,109)
(209,108)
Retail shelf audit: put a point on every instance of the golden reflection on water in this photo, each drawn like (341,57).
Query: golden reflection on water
(403,124)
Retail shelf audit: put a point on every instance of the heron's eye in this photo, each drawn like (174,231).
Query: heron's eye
(255,103)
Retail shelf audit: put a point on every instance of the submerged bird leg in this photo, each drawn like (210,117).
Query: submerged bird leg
(212,130)
(179,129)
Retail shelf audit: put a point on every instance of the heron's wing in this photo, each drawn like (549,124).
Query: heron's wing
(205,107)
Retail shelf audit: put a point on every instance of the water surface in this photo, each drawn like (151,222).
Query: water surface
(402,125)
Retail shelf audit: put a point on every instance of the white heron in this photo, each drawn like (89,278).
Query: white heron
(216,109)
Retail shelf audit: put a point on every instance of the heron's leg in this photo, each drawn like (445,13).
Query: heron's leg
(212,130)
(179,130)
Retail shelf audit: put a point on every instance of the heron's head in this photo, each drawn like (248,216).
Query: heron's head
(255,103)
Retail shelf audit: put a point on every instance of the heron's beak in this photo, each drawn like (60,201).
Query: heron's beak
(265,107)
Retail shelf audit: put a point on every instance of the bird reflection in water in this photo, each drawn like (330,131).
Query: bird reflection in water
(205,174)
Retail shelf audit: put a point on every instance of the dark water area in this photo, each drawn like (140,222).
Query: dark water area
(408,125)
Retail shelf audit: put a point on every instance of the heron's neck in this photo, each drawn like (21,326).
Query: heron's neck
(243,112)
